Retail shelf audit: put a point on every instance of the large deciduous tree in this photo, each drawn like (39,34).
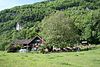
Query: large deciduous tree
(59,30)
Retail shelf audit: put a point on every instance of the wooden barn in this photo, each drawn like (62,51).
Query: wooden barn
(29,44)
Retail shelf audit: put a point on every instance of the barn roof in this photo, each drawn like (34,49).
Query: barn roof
(25,41)
(21,42)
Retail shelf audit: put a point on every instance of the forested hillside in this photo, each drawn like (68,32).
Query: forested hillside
(80,15)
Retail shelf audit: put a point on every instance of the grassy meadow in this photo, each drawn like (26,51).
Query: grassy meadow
(89,58)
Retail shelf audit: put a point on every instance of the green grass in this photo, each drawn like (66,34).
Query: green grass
(89,58)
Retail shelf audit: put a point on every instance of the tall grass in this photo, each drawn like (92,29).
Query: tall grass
(89,58)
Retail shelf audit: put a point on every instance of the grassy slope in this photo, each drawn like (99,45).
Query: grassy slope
(72,59)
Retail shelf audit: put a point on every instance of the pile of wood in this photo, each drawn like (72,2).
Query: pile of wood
(70,49)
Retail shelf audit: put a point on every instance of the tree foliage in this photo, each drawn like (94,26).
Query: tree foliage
(84,13)
(59,30)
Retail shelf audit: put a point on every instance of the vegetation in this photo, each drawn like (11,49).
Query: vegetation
(69,59)
(83,14)
(59,31)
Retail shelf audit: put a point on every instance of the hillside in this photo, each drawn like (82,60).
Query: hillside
(84,13)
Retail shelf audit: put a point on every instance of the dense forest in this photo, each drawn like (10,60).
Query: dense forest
(59,22)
